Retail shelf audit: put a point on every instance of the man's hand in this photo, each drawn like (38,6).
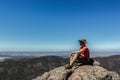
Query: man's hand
(72,53)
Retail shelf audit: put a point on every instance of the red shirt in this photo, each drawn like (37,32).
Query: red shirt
(85,53)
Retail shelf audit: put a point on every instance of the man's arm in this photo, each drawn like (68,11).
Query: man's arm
(80,51)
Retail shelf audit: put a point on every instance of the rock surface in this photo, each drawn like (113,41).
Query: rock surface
(85,72)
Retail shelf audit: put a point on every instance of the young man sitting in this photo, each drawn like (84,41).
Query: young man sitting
(82,55)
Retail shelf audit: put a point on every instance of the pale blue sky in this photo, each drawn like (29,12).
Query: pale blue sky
(50,25)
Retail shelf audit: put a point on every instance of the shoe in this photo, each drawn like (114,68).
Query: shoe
(78,64)
(68,66)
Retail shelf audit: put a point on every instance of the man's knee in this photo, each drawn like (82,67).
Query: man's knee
(76,56)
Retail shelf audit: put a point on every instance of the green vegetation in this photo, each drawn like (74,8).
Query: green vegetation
(26,69)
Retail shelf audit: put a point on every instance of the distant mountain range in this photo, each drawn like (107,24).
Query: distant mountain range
(29,68)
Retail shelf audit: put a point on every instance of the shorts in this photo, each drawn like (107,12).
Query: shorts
(81,59)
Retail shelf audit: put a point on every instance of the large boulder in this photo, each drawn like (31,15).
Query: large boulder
(93,73)
(86,72)
(57,74)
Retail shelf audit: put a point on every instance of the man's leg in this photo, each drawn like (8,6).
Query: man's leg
(73,60)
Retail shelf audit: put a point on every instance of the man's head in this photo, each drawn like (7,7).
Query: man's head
(82,42)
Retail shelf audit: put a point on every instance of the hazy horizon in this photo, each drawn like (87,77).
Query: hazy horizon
(57,53)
